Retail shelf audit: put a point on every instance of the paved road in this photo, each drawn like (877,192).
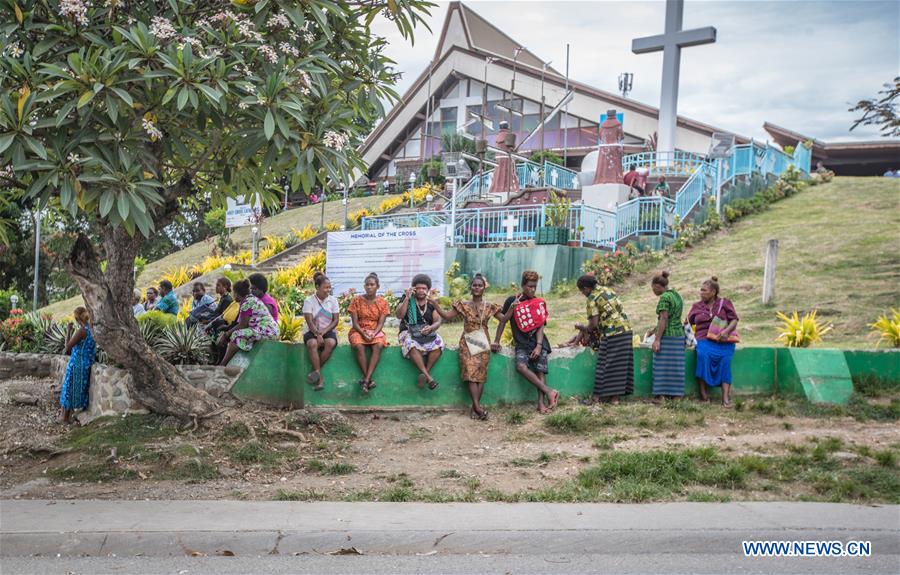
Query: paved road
(189,537)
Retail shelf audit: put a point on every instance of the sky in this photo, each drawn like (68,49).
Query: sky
(797,64)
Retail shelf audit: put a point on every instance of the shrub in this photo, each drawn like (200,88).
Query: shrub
(290,327)
(888,329)
(333,227)
(801,332)
(389,204)
(159,319)
(557,209)
(17,334)
(306,234)
(178,276)
(179,344)
(611,267)
(354,218)
(274,245)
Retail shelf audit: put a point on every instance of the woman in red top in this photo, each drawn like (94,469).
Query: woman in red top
(713,353)
(368,313)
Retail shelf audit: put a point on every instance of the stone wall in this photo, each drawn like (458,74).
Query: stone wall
(24,365)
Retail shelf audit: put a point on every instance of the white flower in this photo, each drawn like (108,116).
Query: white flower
(269,54)
(6,172)
(243,105)
(151,129)
(292,34)
(335,140)
(309,37)
(73,158)
(75,9)
(162,28)
(278,21)
(288,49)
(14,49)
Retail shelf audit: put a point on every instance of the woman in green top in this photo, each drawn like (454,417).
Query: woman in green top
(614,375)
(668,347)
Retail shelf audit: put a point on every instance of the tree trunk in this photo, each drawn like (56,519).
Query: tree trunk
(155,383)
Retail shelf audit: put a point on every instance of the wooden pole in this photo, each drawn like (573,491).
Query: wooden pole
(768,294)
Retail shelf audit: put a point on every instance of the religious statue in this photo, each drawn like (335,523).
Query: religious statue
(504,179)
(612,144)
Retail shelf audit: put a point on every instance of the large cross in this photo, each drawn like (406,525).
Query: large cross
(671,42)
(510,224)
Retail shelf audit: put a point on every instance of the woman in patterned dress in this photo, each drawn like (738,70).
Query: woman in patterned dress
(368,313)
(254,324)
(74,394)
(476,315)
(614,376)
(668,346)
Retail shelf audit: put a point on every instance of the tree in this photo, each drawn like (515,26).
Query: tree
(118,111)
(881,112)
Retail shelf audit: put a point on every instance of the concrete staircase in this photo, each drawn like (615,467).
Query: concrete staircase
(292,255)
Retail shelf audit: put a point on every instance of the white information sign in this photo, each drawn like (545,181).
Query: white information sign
(395,254)
(239,212)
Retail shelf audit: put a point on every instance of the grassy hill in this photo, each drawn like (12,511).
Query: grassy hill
(839,253)
(277,225)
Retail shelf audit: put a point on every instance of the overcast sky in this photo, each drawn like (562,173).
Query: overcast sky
(794,63)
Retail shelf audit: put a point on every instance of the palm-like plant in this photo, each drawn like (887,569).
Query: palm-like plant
(181,345)
(888,329)
(290,327)
(801,332)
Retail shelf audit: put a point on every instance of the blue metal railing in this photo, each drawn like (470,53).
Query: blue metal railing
(529,174)
(642,216)
(664,163)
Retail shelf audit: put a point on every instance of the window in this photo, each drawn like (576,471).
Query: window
(448,120)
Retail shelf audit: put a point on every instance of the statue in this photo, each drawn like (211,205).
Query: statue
(609,158)
(504,179)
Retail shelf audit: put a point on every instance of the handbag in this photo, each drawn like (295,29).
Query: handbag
(476,340)
(415,332)
(717,325)
(530,314)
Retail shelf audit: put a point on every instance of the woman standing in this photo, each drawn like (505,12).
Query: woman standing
(419,340)
(74,394)
(474,345)
(715,343)
(254,324)
(614,376)
(368,312)
(668,346)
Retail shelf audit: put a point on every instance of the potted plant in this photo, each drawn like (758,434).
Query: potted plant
(576,241)
(557,215)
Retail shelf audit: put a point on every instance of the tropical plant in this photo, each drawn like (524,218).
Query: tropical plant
(801,332)
(150,331)
(290,327)
(333,227)
(557,209)
(120,114)
(881,111)
(54,338)
(159,319)
(888,329)
(546,156)
(306,234)
(389,204)
(274,245)
(180,345)
(179,275)
(353,218)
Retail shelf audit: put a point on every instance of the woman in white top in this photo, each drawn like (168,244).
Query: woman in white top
(322,314)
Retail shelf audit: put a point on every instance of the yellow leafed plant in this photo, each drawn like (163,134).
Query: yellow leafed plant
(389,204)
(184,310)
(801,332)
(307,233)
(243,257)
(888,329)
(274,245)
(211,263)
(358,215)
(178,276)
(290,327)
(333,227)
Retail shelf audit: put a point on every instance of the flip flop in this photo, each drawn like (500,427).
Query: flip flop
(313,377)
(371,384)
(484,415)
(432,385)
(363,386)
(554,399)
(420,381)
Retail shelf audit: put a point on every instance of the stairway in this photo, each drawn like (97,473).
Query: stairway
(293,255)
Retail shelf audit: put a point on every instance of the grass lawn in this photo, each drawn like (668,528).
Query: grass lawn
(277,225)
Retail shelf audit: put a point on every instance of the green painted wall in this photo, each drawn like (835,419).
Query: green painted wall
(276,373)
(503,266)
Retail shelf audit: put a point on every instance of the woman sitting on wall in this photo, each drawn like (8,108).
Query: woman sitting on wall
(322,313)
(367,313)
(614,374)
(474,343)
(259,286)
(254,324)
(668,345)
(715,327)
(74,393)
(419,340)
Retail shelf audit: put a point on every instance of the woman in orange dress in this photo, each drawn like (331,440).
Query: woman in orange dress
(368,313)
(473,363)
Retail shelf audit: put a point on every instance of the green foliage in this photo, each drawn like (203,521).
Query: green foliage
(5,303)
(799,331)
(180,344)
(546,156)
(159,319)
(613,267)
(887,329)
(557,209)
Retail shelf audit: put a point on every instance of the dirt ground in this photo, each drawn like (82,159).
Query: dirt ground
(329,455)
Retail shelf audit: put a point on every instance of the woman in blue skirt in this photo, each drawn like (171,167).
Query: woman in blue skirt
(74,393)
(714,352)
(668,346)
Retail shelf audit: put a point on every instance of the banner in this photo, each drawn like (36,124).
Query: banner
(395,254)
(238,212)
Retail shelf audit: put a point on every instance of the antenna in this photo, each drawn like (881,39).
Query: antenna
(625,83)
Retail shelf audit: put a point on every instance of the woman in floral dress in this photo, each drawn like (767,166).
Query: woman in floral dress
(473,363)
(255,323)
(74,394)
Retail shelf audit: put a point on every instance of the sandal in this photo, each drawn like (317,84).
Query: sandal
(554,399)
(371,384)
(320,385)
(484,415)
(363,385)
(432,385)
(420,381)
(313,378)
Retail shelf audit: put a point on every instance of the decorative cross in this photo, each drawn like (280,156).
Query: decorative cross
(671,42)
(510,224)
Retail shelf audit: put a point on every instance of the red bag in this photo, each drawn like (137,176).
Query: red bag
(530,314)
